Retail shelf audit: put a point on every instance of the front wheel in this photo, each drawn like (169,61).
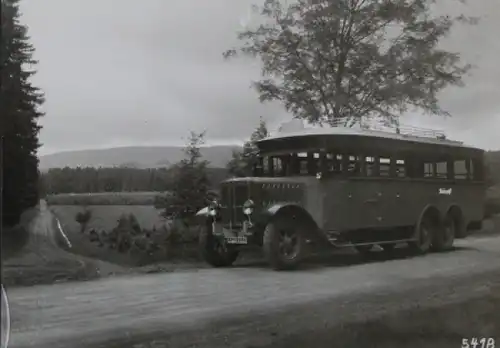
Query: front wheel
(284,244)
(214,251)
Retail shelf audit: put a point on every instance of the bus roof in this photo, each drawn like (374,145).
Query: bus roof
(427,138)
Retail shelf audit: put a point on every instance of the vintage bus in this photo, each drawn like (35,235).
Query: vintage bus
(347,187)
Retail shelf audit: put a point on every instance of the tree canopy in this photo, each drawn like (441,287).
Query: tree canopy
(331,60)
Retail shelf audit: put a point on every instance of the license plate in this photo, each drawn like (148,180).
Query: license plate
(236,240)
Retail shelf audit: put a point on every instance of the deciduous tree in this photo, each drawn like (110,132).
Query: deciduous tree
(331,60)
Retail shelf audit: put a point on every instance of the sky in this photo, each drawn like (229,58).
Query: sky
(144,73)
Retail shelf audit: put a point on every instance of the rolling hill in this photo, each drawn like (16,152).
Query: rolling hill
(137,156)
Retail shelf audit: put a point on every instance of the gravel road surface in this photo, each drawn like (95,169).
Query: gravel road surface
(247,306)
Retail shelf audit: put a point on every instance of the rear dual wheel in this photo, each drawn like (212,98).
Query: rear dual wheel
(433,234)
(445,236)
(424,234)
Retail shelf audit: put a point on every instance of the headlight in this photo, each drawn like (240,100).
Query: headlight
(213,207)
(248,207)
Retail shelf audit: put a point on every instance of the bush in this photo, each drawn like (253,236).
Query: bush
(147,246)
(83,218)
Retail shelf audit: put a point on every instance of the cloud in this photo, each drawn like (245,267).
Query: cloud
(122,72)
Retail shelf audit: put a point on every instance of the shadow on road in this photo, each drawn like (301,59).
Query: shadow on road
(379,321)
(342,258)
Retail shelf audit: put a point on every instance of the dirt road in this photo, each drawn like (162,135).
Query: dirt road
(247,306)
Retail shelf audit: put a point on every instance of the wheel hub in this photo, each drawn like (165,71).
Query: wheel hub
(288,244)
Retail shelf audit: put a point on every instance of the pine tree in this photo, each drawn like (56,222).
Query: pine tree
(190,187)
(241,163)
(19,113)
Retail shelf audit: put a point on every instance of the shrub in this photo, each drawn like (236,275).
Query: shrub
(146,246)
(83,218)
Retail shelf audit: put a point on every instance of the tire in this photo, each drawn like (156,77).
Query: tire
(214,251)
(445,235)
(284,244)
(424,234)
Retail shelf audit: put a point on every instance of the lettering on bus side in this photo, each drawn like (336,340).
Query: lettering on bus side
(443,191)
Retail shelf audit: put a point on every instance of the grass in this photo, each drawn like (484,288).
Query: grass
(105,217)
(104,198)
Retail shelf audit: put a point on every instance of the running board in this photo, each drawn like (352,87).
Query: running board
(334,242)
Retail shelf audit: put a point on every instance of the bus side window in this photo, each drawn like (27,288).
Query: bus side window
(400,171)
(428,170)
(460,169)
(384,166)
(370,166)
(258,168)
(442,170)
(302,159)
(265,166)
(277,166)
(354,165)
(334,163)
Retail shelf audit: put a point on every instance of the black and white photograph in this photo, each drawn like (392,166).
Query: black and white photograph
(250,174)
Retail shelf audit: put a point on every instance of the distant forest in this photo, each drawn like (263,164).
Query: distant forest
(115,179)
(124,179)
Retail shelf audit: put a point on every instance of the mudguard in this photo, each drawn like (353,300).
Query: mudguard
(265,215)
(202,212)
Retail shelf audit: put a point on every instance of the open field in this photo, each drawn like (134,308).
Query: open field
(104,218)
(104,198)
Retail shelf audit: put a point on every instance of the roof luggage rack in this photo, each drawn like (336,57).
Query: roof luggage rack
(383,125)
